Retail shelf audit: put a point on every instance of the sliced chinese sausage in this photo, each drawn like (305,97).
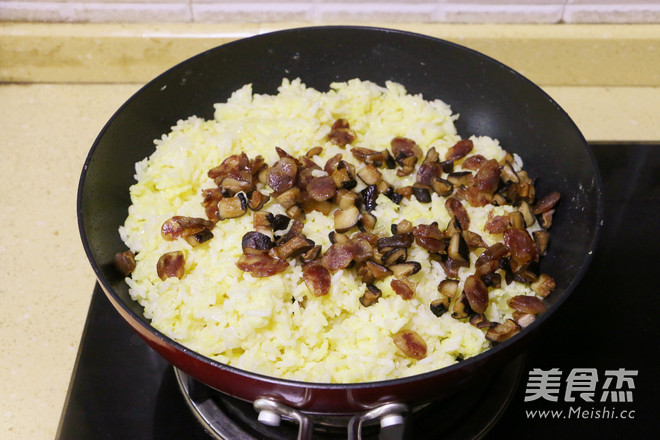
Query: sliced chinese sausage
(459,150)
(410,344)
(341,134)
(317,278)
(526,304)
(404,288)
(520,245)
(476,293)
(180,226)
(546,203)
(457,211)
(322,188)
(261,265)
(171,264)
(125,262)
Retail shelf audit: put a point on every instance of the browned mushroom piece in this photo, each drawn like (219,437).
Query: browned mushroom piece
(254,242)
(345,198)
(370,175)
(395,256)
(460,178)
(310,205)
(405,269)
(371,157)
(278,222)
(289,197)
(366,221)
(476,293)
(257,200)
(547,203)
(458,249)
(492,279)
(232,207)
(125,262)
(403,227)
(461,308)
(346,219)
(500,332)
(543,285)
(261,265)
(198,238)
(369,196)
(410,343)
(237,182)
(473,240)
(395,241)
(377,270)
(171,264)
(442,187)
(517,220)
(404,288)
(526,304)
(449,288)
(311,255)
(440,306)
(422,193)
(291,248)
(407,166)
(371,295)
(498,200)
(459,150)
(479,320)
(317,278)
(341,134)
(541,238)
(527,213)
(343,178)
(180,226)
(508,174)
(546,219)
(314,151)
(524,319)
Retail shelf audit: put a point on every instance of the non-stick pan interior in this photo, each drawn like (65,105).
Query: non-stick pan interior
(490,98)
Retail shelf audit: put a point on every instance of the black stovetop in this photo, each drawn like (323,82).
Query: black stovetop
(608,328)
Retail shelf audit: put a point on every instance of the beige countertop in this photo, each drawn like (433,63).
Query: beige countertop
(50,119)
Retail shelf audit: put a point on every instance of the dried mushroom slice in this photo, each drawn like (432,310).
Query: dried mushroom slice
(371,296)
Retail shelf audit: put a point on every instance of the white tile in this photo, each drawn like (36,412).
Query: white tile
(78,2)
(35,11)
(502,13)
(95,12)
(372,12)
(249,12)
(508,2)
(613,2)
(612,13)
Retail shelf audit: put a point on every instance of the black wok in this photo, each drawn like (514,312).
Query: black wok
(491,99)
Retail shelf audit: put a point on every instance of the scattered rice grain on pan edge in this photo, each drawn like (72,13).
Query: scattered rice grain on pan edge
(253,323)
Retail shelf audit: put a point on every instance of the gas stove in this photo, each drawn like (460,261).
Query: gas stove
(591,373)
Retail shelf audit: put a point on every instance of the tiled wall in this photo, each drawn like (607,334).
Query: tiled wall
(334,11)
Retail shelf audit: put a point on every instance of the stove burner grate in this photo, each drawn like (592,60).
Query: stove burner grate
(469,414)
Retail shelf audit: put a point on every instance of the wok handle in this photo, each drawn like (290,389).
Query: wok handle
(270,412)
(392,422)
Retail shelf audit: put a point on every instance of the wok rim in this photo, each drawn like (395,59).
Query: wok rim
(520,339)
